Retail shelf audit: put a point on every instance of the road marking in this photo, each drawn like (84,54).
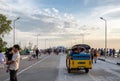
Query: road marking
(60,67)
(113,72)
(29,67)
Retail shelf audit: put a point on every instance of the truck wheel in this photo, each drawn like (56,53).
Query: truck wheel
(69,70)
(66,63)
(86,70)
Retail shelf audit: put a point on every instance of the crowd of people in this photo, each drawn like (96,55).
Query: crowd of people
(108,52)
(102,52)
(36,53)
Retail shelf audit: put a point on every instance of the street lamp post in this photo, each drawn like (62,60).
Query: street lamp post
(46,43)
(14,21)
(37,39)
(105,35)
(83,34)
(82,38)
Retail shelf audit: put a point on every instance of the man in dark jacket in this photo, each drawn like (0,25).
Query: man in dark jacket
(37,52)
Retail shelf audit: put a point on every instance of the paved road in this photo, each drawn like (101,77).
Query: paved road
(52,68)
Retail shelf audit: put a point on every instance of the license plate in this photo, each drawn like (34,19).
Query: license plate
(81,67)
(81,62)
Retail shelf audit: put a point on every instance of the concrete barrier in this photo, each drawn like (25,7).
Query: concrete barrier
(101,59)
(118,63)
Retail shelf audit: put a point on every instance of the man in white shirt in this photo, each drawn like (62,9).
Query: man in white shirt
(14,63)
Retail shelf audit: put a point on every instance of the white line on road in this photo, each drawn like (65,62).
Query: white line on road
(29,67)
(61,76)
(93,78)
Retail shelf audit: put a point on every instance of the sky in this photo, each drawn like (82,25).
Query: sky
(63,22)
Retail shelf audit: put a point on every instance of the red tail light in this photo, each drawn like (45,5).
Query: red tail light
(73,63)
(89,62)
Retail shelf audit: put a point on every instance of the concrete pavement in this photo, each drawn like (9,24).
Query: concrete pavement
(113,60)
(24,57)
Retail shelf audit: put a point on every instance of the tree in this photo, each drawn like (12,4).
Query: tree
(5,28)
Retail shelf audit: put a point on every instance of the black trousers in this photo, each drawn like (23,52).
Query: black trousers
(37,55)
(13,75)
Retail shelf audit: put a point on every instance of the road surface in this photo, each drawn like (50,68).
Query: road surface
(52,68)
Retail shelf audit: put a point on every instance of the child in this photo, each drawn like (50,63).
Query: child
(9,55)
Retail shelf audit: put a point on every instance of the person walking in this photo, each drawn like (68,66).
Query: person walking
(2,60)
(14,63)
(114,51)
(119,53)
(96,54)
(102,52)
(28,51)
(92,54)
(111,51)
(37,52)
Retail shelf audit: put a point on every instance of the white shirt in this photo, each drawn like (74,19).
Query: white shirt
(2,58)
(16,58)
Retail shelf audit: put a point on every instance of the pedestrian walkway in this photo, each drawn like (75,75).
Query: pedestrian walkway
(24,65)
(24,57)
(113,60)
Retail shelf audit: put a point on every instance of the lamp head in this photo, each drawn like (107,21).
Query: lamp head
(18,18)
(101,17)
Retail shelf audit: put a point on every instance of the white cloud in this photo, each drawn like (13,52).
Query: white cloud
(31,16)
(55,10)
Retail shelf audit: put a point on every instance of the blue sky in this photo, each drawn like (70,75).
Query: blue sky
(75,6)
(65,6)
(55,19)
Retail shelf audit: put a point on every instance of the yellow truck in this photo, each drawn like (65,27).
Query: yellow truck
(78,58)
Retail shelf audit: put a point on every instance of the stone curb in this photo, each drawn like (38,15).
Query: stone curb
(118,63)
(101,59)
(22,58)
